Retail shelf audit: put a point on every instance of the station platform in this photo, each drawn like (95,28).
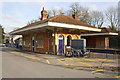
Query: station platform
(103,50)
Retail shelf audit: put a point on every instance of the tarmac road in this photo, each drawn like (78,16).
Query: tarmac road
(19,67)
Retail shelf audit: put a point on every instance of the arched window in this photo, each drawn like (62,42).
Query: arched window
(69,40)
(61,37)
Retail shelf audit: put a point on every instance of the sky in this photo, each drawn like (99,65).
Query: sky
(16,14)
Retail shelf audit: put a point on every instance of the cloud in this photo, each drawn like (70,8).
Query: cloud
(10,23)
(10,18)
(10,27)
(43,3)
(57,7)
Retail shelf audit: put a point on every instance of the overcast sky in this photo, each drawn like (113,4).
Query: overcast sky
(17,14)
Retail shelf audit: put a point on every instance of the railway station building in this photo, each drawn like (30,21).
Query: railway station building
(54,34)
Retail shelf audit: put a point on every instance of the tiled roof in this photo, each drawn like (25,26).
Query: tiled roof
(60,19)
(106,30)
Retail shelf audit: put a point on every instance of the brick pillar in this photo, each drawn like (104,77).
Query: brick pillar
(106,42)
(54,40)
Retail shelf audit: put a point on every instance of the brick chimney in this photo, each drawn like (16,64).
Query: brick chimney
(75,16)
(43,14)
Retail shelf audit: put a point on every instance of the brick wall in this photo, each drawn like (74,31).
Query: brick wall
(100,42)
(90,41)
(27,42)
(42,42)
(97,41)
(47,43)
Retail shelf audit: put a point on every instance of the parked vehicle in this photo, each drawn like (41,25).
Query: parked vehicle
(2,45)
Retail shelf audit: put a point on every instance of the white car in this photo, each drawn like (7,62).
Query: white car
(2,45)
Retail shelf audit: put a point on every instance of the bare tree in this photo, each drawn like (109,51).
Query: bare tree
(55,12)
(96,18)
(33,21)
(75,7)
(61,11)
(119,16)
(2,34)
(49,13)
(82,12)
(112,17)
(69,13)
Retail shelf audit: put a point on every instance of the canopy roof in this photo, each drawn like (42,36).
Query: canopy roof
(59,21)
(100,34)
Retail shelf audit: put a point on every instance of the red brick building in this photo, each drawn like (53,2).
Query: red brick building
(52,35)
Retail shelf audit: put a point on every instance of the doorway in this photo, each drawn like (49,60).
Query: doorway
(69,38)
(33,44)
(61,44)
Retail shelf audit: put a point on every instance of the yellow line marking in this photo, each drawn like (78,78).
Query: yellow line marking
(48,61)
(110,65)
(99,62)
(108,60)
(30,57)
(97,70)
(117,76)
(34,58)
(101,59)
(26,56)
(62,62)
(79,67)
(81,62)
(12,52)
(90,60)
(16,53)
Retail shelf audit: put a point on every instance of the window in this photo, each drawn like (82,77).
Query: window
(26,41)
(61,37)
(40,42)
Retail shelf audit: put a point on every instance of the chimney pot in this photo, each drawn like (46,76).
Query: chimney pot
(43,14)
(75,16)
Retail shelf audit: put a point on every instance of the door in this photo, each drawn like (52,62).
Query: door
(61,46)
(33,44)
